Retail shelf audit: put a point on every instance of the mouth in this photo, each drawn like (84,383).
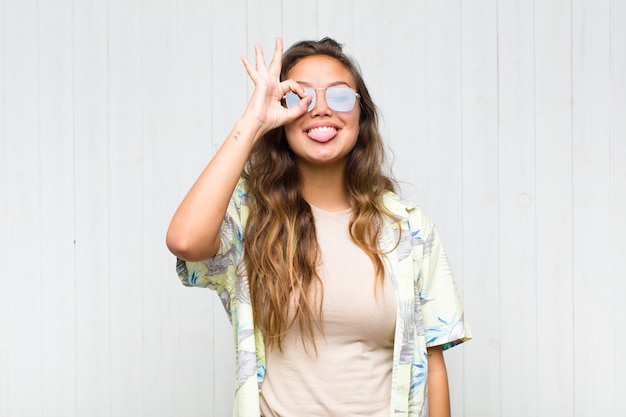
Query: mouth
(322,134)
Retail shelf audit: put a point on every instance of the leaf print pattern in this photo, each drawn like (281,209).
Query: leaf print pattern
(243,290)
(417,311)
(246,367)
(457,332)
(428,244)
(405,246)
(440,331)
(225,299)
(219,264)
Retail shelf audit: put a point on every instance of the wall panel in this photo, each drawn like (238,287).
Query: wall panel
(481,211)
(126,208)
(553,143)
(58,306)
(91,207)
(593,307)
(618,197)
(517,232)
(23,217)
(5,323)
(506,121)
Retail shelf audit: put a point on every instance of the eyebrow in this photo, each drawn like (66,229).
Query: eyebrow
(333,84)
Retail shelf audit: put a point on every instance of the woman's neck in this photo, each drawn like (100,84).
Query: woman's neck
(325,187)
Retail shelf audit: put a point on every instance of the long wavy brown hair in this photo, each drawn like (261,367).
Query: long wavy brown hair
(281,250)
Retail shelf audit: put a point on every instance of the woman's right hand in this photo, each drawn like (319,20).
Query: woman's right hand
(265,108)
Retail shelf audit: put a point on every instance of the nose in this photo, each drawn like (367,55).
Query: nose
(321,106)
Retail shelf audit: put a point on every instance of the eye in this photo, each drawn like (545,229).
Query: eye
(341,99)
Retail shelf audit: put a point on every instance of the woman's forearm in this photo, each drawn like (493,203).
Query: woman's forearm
(438,393)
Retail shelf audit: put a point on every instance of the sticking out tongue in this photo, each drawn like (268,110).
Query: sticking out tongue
(322,134)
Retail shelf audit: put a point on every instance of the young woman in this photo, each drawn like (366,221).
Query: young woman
(339,292)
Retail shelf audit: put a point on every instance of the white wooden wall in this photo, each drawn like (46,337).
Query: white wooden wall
(508,124)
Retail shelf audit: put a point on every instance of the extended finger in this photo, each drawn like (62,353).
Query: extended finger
(249,68)
(259,68)
(275,64)
(260,58)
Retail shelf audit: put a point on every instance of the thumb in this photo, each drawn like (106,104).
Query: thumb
(305,102)
(301,108)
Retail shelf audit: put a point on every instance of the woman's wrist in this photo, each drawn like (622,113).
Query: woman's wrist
(248,128)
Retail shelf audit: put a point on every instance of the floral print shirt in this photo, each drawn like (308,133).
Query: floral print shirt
(429,308)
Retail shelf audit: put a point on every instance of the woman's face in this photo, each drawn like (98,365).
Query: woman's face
(323,135)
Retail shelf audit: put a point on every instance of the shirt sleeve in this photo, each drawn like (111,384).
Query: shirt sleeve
(442,306)
(219,272)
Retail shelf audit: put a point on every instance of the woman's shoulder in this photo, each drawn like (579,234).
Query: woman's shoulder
(242,186)
(400,206)
(240,193)
(406,210)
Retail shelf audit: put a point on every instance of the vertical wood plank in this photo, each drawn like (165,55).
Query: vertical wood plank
(553,101)
(164,381)
(299,21)
(4,222)
(126,207)
(618,194)
(593,307)
(23,194)
(92,218)
(480,206)
(338,20)
(404,106)
(58,306)
(517,208)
